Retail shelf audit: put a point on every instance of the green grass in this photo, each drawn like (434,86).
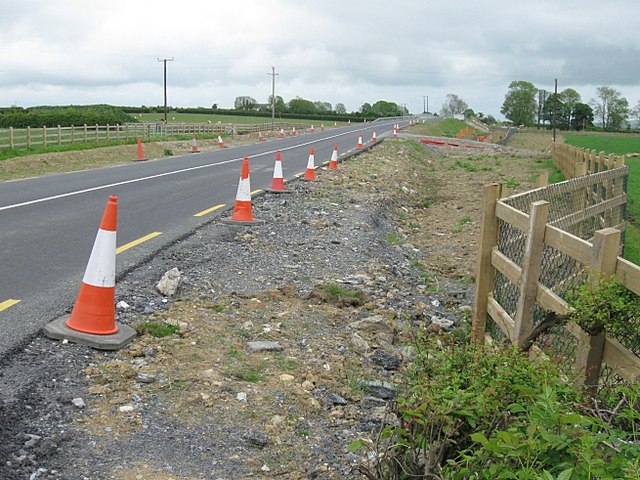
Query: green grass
(632,243)
(616,144)
(157,329)
(447,127)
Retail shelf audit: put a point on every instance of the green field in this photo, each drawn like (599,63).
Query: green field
(173,117)
(620,145)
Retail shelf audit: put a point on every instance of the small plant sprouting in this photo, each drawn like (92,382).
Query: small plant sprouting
(157,329)
(461,223)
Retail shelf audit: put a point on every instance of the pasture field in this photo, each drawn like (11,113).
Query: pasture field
(620,145)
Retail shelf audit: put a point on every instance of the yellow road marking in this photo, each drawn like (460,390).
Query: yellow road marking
(209,210)
(299,174)
(129,245)
(255,191)
(8,303)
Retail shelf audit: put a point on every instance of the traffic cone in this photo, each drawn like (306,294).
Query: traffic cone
(140,151)
(260,137)
(310,174)
(293,131)
(322,127)
(395,133)
(349,122)
(92,320)
(282,133)
(311,128)
(333,163)
(373,137)
(220,142)
(278,181)
(335,124)
(359,142)
(194,145)
(242,209)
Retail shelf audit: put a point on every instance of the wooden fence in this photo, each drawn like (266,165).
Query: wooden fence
(575,162)
(17,138)
(599,255)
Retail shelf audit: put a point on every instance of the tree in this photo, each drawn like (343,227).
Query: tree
(322,107)
(453,105)
(340,108)
(468,113)
(365,108)
(570,98)
(382,108)
(610,107)
(542,98)
(300,105)
(554,107)
(520,103)
(244,103)
(280,107)
(581,116)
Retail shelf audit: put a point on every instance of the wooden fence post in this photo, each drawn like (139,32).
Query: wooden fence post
(542,180)
(606,243)
(11,144)
(485,272)
(44,135)
(28,137)
(531,263)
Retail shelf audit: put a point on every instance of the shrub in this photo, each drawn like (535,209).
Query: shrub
(468,413)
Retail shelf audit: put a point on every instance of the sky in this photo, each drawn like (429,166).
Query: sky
(409,52)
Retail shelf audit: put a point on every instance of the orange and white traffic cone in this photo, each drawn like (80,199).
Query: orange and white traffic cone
(220,142)
(277,186)
(395,133)
(194,145)
(312,129)
(92,320)
(335,124)
(140,151)
(242,209)
(293,131)
(282,133)
(310,174)
(349,122)
(359,142)
(373,137)
(322,127)
(333,163)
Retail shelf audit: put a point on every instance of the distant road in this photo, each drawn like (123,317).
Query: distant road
(48,224)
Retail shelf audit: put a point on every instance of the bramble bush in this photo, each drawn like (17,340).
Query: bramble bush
(469,413)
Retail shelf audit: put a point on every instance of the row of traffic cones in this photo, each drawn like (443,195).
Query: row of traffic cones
(92,319)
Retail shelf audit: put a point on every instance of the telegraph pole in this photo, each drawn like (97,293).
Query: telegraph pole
(424,105)
(555,108)
(165,60)
(273,96)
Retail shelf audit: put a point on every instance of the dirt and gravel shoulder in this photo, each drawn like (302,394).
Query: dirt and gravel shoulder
(291,336)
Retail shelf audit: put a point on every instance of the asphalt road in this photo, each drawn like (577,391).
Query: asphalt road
(48,224)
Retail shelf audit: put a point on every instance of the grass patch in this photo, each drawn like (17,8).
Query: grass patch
(394,238)
(616,144)
(447,127)
(157,329)
(632,243)
(461,223)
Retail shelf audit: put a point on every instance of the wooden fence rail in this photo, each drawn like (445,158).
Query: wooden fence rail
(575,162)
(599,255)
(19,138)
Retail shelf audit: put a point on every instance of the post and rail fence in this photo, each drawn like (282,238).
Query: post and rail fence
(20,138)
(536,246)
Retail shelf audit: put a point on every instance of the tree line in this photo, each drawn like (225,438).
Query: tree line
(525,104)
(302,106)
(36,117)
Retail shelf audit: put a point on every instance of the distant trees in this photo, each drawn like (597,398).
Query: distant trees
(581,116)
(63,116)
(244,103)
(520,103)
(381,108)
(340,108)
(453,105)
(610,107)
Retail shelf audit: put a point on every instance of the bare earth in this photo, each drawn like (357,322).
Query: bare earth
(398,225)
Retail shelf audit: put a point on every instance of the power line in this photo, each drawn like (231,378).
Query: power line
(165,60)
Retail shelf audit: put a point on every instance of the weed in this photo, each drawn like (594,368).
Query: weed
(216,308)
(157,329)
(167,152)
(461,223)
(394,238)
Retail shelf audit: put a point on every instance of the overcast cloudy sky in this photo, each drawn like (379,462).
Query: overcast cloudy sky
(58,52)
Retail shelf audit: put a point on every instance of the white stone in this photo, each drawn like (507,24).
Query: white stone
(169,283)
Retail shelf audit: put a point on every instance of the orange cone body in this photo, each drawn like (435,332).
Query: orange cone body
(278,180)
(94,311)
(242,210)
(140,151)
(373,137)
(220,142)
(310,174)
(395,133)
(333,163)
(194,145)
(359,142)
